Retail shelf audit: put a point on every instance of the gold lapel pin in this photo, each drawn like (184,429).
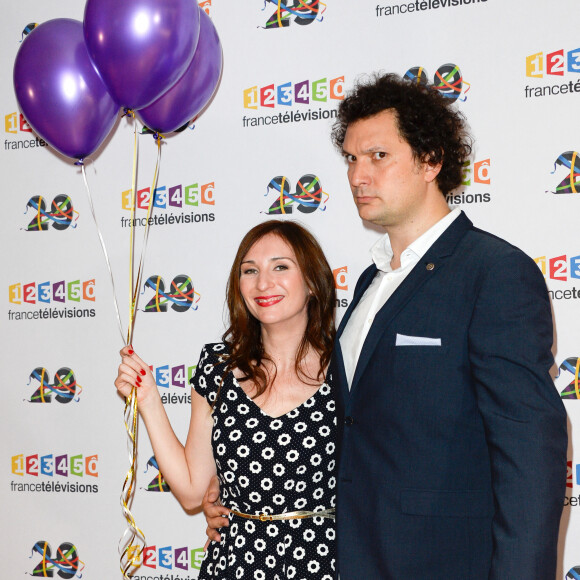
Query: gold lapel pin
(430,266)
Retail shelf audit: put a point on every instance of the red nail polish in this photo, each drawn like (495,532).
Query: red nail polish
(130,351)
(142,372)
(138,380)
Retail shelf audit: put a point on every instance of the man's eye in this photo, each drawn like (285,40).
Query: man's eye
(379,155)
(349,158)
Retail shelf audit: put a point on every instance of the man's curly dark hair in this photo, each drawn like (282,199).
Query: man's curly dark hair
(427,121)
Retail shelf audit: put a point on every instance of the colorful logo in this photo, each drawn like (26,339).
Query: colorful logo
(15,122)
(174,197)
(570,476)
(66,562)
(340,278)
(553,63)
(568,371)
(574,573)
(28,29)
(175,376)
(477,171)
(341,283)
(205,5)
(302,12)
(571,183)
(61,215)
(448,80)
(559,268)
(51,465)
(167,557)
(308,195)
(47,292)
(181,295)
(64,386)
(158,483)
(288,94)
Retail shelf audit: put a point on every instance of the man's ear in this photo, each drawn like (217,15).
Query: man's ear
(431,170)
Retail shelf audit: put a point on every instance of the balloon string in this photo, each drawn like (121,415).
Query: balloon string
(130,550)
(131,554)
(132,231)
(133,540)
(102,241)
(135,298)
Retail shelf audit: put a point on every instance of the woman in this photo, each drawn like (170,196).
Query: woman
(262,416)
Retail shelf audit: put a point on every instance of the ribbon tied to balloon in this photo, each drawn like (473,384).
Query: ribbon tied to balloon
(159,60)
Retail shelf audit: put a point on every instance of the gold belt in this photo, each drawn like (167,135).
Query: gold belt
(298,515)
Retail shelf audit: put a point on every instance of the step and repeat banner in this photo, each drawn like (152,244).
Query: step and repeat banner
(263,141)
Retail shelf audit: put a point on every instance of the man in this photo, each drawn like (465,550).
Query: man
(452,444)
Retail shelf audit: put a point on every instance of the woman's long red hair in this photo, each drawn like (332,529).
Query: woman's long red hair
(244,337)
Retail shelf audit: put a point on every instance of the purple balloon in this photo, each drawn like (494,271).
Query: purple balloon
(141,47)
(59,91)
(182,102)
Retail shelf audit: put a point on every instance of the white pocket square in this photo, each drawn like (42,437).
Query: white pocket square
(404,340)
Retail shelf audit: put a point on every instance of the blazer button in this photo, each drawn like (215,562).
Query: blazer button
(348,420)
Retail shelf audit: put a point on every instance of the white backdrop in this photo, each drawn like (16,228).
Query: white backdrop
(63,461)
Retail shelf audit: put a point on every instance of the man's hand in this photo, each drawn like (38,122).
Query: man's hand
(215,514)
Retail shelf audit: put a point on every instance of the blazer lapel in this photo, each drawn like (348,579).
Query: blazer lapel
(363,283)
(428,266)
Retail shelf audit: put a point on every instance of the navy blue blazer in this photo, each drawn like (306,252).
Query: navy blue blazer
(452,458)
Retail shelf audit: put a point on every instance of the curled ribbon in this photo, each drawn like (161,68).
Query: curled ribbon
(133,541)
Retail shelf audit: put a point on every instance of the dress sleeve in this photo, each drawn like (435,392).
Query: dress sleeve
(208,374)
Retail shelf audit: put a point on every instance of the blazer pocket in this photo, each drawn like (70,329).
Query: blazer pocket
(406,340)
(454,504)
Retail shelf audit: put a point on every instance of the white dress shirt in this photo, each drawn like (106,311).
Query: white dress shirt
(382,288)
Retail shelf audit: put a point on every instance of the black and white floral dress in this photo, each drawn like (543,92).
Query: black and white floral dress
(270,465)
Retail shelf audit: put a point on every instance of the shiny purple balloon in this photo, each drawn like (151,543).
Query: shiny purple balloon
(182,102)
(59,91)
(141,47)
